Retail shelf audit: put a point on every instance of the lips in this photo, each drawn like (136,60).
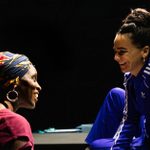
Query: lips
(36,96)
(122,63)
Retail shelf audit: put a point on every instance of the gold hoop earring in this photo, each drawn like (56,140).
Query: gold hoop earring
(12,95)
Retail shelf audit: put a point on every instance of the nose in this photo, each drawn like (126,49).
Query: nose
(116,57)
(38,87)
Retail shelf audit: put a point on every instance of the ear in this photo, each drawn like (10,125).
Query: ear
(145,51)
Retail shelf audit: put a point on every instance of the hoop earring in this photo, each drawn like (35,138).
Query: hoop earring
(12,95)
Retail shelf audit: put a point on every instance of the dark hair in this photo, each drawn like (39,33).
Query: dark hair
(138,24)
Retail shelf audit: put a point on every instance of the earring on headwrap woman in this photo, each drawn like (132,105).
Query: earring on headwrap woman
(12,95)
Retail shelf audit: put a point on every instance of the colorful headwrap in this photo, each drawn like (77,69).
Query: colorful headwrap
(12,65)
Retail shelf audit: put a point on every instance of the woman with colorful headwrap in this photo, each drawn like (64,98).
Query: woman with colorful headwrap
(18,89)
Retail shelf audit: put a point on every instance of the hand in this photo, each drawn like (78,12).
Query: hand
(87,148)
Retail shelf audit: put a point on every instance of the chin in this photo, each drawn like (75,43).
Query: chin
(31,106)
(124,71)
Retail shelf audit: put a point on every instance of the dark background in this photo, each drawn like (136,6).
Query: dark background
(70,42)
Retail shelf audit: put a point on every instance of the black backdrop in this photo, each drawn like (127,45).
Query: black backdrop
(70,42)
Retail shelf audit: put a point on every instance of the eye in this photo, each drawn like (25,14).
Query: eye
(120,52)
(34,78)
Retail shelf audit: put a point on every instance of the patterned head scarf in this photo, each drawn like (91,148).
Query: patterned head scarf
(12,66)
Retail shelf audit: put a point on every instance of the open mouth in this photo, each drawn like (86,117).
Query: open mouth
(122,64)
(36,97)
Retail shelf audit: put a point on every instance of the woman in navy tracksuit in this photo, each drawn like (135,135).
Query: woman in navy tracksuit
(123,122)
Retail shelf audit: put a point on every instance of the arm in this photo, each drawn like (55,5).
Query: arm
(130,122)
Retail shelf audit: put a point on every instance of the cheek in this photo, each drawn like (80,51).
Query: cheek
(25,93)
(129,59)
(136,59)
(28,93)
(124,59)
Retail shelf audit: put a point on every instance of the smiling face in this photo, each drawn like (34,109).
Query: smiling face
(29,89)
(128,56)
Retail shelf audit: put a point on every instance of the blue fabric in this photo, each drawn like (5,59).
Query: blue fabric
(108,121)
(109,116)
(137,104)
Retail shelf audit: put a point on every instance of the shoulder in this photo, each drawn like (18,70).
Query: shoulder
(13,119)
(20,123)
(15,126)
(146,69)
(145,73)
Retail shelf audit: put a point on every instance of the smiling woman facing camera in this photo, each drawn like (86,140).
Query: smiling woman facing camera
(123,122)
(18,89)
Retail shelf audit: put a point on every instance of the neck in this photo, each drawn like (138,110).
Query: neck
(8,105)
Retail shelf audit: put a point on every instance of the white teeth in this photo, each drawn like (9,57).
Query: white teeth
(122,64)
(36,95)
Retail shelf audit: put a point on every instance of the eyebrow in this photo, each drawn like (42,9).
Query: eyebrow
(120,48)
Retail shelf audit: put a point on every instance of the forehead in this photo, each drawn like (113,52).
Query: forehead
(31,72)
(122,41)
